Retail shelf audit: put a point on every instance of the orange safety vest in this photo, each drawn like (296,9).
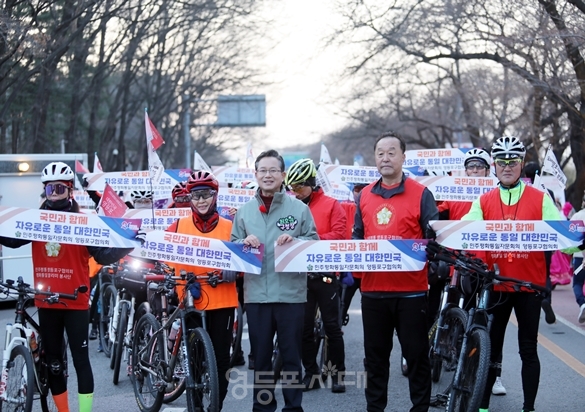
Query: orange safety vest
(224,295)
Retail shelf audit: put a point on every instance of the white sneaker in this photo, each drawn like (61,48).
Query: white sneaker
(498,388)
(582,314)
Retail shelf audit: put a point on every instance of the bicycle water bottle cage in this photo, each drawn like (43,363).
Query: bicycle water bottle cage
(55,367)
(195,290)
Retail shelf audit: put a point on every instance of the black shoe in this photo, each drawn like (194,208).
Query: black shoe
(93,334)
(311,382)
(337,385)
(239,360)
(250,362)
(549,312)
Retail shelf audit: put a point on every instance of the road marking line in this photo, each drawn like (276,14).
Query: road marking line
(557,351)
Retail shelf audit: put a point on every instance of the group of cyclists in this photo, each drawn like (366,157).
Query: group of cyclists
(402,302)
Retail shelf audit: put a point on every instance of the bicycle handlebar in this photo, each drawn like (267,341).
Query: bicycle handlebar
(22,288)
(460,260)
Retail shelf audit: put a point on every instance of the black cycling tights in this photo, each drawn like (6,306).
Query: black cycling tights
(53,322)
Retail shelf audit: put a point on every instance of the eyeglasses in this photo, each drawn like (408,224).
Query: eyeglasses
(183,199)
(475,166)
(202,194)
(296,188)
(55,188)
(263,172)
(511,162)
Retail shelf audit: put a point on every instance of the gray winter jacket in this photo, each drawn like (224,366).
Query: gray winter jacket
(287,215)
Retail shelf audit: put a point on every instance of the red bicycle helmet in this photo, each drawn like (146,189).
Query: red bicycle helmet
(201,178)
(180,189)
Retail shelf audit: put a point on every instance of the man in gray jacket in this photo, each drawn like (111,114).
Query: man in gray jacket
(274,301)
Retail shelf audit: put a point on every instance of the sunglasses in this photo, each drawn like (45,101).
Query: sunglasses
(512,162)
(55,188)
(183,199)
(202,194)
(475,166)
(296,188)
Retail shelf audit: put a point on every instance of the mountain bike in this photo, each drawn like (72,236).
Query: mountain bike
(24,365)
(473,361)
(100,306)
(131,287)
(237,332)
(155,355)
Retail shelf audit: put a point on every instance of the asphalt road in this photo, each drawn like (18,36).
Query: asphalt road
(560,349)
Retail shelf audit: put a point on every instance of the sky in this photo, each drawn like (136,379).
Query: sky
(303,73)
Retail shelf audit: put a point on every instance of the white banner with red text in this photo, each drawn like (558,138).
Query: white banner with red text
(509,235)
(70,228)
(351,256)
(200,251)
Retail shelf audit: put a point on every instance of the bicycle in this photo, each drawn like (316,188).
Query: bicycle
(154,367)
(130,286)
(473,361)
(101,306)
(24,365)
(237,332)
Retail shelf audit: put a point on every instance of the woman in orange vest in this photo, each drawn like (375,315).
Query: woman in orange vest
(219,302)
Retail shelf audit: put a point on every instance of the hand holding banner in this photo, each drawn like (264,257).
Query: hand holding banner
(200,251)
(70,228)
(508,235)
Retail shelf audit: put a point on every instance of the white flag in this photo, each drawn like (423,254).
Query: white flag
(552,166)
(249,156)
(336,161)
(325,158)
(153,142)
(97,166)
(199,163)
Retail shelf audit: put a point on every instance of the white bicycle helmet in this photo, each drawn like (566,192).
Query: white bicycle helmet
(57,171)
(141,194)
(508,147)
(478,154)
(250,185)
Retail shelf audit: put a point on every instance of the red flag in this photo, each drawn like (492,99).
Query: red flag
(152,135)
(80,168)
(110,204)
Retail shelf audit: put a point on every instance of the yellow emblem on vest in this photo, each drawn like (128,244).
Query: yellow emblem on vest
(384,216)
(52,249)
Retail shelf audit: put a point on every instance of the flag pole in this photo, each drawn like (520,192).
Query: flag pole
(148,157)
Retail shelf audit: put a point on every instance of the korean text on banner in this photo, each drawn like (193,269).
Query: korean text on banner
(457,189)
(445,160)
(200,251)
(509,235)
(160,219)
(351,255)
(70,228)
(111,204)
(552,166)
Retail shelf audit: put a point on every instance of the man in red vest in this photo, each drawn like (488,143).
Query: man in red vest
(514,200)
(394,207)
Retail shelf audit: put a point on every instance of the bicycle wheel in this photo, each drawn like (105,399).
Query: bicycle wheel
(119,345)
(203,370)
(467,393)
(147,355)
(108,303)
(444,354)
(237,331)
(177,387)
(20,382)
(47,403)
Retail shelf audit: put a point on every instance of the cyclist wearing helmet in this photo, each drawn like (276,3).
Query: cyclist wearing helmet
(514,200)
(477,164)
(331,222)
(219,302)
(54,320)
(181,196)
(141,199)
